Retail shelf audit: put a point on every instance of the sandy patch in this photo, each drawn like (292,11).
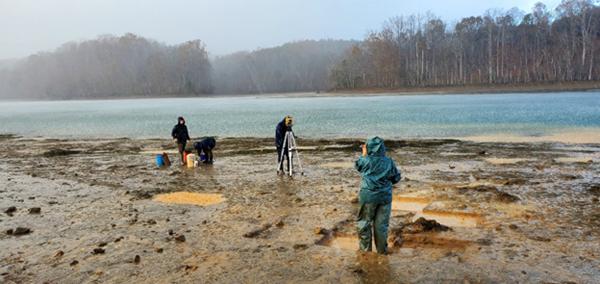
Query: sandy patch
(202,199)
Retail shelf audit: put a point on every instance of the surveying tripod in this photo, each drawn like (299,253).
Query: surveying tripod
(290,149)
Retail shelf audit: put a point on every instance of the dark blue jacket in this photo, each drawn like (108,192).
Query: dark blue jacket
(180,133)
(206,143)
(280,131)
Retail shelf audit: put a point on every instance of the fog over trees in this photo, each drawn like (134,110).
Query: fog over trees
(110,66)
(501,47)
(293,67)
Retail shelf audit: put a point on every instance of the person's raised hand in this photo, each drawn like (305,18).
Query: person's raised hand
(364,150)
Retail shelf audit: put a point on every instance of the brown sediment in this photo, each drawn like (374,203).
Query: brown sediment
(102,195)
(338,165)
(433,241)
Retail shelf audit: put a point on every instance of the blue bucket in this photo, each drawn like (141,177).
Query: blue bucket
(202,157)
(160,161)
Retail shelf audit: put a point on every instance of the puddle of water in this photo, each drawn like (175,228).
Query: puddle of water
(417,205)
(345,243)
(450,219)
(505,161)
(350,243)
(412,204)
(184,197)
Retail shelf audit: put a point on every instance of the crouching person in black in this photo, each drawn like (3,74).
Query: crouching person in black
(206,145)
(282,128)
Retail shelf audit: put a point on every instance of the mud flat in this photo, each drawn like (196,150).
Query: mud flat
(74,211)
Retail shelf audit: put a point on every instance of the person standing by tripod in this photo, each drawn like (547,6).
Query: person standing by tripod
(282,128)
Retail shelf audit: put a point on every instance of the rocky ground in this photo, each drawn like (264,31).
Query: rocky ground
(77,211)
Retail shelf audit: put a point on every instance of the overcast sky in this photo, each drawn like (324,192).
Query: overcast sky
(29,26)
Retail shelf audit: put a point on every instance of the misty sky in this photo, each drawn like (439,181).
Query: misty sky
(29,26)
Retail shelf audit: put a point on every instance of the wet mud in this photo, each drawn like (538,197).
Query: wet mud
(74,211)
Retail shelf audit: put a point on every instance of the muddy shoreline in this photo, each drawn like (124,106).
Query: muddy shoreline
(515,212)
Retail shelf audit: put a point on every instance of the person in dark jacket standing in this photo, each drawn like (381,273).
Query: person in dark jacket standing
(378,173)
(180,136)
(283,126)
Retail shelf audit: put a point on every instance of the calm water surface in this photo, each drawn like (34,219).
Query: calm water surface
(431,116)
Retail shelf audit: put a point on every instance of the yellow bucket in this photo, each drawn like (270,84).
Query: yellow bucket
(191,159)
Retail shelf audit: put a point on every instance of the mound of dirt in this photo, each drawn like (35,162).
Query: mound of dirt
(420,225)
(423,225)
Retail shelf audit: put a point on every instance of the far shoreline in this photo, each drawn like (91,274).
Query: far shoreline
(366,92)
(477,89)
(574,136)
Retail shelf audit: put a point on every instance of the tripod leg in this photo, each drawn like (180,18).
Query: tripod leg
(298,156)
(281,155)
(290,153)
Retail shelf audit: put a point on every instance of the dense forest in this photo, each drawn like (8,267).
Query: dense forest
(292,67)
(507,47)
(501,47)
(110,67)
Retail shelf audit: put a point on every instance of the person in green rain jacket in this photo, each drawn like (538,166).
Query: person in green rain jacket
(378,173)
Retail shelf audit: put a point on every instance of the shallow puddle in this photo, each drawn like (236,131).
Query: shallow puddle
(348,242)
(417,205)
(184,197)
(412,204)
(345,243)
(451,219)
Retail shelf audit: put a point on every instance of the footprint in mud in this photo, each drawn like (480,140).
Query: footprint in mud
(192,198)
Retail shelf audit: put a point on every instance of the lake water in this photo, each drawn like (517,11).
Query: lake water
(422,116)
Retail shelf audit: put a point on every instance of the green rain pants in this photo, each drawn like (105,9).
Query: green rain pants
(374,217)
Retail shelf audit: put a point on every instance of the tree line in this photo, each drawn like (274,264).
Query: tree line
(500,47)
(293,67)
(110,66)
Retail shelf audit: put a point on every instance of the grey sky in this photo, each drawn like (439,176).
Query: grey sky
(29,26)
